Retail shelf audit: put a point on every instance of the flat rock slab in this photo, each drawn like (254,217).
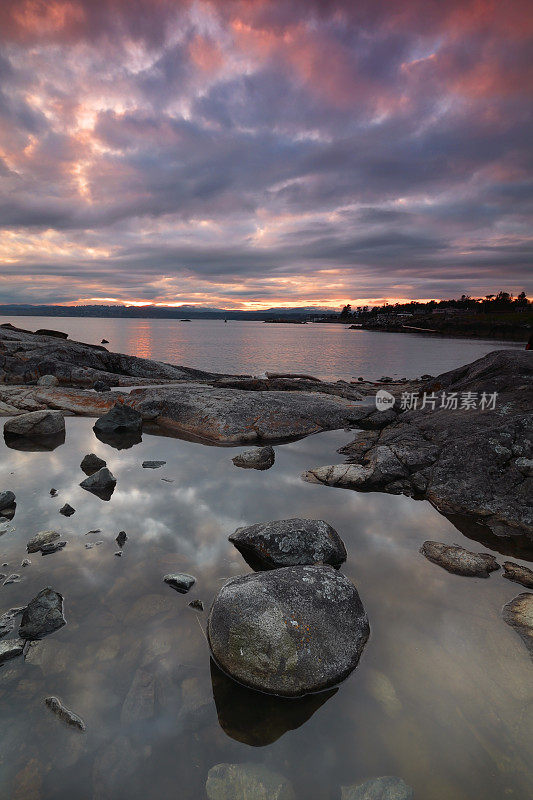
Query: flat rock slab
(289,542)
(247,781)
(385,788)
(518,613)
(258,458)
(35,424)
(458,560)
(518,574)
(42,616)
(289,631)
(153,464)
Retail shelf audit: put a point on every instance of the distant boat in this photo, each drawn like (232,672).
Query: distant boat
(184,320)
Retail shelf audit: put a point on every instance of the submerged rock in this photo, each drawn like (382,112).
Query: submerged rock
(9,649)
(458,560)
(41,539)
(258,458)
(518,613)
(288,631)
(7,621)
(67,510)
(55,705)
(153,464)
(289,542)
(92,463)
(247,782)
(180,581)
(101,483)
(518,574)
(121,419)
(43,615)
(35,424)
(386,788)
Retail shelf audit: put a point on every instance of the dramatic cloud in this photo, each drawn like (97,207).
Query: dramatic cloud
(252,153)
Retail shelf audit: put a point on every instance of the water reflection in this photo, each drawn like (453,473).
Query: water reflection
(439,696)
(120,441)
(39,444)
(258,719)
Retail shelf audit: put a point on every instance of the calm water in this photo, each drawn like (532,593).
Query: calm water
(442,696)
(327,351)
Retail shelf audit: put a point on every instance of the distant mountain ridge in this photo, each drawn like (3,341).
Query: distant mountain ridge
(158,312)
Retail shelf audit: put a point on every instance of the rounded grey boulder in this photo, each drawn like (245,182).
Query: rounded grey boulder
(48,381)
(290,542)
(289,631)
(36,423)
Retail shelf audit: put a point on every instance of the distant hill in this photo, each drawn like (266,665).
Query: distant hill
(158,312)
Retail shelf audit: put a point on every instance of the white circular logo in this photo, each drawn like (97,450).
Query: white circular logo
(384,400)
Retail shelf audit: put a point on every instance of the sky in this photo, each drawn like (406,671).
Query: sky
(264,153)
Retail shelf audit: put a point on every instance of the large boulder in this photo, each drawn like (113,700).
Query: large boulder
(120,419)
(36,423)
(48,381)
(456,559)
(247,782)
(289,631)
(289,542)
(469,460)
(43,615)
(7,500)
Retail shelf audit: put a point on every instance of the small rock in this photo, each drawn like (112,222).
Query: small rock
(289,542)
(89,545)
(67,510)
(53,492)
(121,419)
(91,464)
(101,483)
(386,788)
(458,560)
(55,705)
(258,458)
(247,781)
(180,581)
(118,553)
(10,649)
(168,480)
(40,540)
(7,499)
(197,605)
(101,386)
(104,341)
(43,615)
(37,423)
(153,464)
(25,562)
(518,613)
(48,332)
(48,381)
(53,547)
(122,538)
(518,574)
